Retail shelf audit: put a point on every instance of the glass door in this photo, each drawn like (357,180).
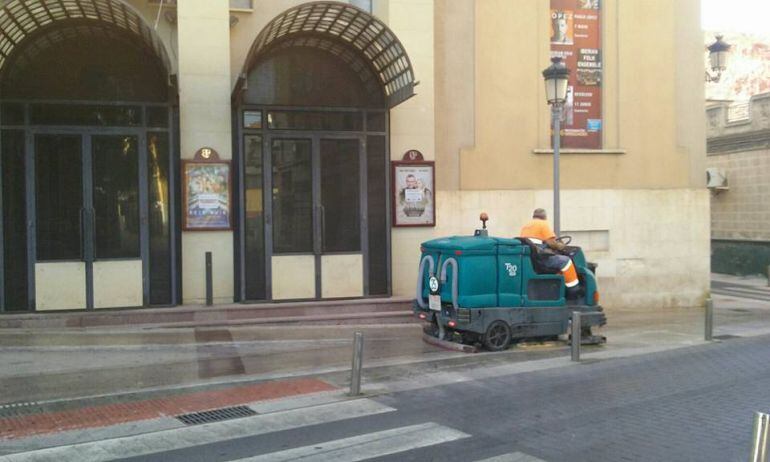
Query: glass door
(87,245)
(115,247)
(341,224)
(61,217)
(315,228)
(291,219)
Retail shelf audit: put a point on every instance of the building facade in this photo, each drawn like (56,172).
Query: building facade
(111,110)
(738,148)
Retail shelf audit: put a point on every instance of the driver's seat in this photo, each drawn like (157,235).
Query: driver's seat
(536,255)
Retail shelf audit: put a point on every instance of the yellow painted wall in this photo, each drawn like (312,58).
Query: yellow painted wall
(651,130)
(204,116)
(639,204)
(412,123)
(455,86)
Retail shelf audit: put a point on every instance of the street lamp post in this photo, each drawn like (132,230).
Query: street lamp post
(556,77)
(718,52)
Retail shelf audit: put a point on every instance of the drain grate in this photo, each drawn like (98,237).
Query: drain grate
(216,415)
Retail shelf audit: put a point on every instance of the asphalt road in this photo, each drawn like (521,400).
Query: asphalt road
(694,403)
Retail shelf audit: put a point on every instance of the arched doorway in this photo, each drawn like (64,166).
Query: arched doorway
(87,143)
(311,115)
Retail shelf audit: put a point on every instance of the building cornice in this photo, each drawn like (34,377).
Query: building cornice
(738,142)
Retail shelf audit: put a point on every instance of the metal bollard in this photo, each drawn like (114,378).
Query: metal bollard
(709,321)
(759,450)
(358,356)
(575,346)
(209,281)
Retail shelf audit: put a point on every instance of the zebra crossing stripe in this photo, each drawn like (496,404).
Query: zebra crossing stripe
(744,293)
(180,438)
(367,446)
(513,457)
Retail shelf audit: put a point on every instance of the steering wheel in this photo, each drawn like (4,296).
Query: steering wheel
(562,239)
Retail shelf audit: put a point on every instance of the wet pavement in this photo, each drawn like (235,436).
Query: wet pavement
(43,365)
(60,364)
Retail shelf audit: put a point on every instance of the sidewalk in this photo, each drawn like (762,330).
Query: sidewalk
(46,372)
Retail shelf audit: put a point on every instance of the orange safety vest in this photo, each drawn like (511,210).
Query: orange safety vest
(540,230)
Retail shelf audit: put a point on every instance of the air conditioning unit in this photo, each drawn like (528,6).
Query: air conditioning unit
(716,180)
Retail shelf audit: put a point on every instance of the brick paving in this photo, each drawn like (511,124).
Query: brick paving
(117,413)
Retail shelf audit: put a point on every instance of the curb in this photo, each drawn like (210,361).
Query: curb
(447,345)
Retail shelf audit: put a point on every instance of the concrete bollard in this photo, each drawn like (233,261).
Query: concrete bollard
(358,356)
(709,320)
(209,281)
(759,450)
(575,332)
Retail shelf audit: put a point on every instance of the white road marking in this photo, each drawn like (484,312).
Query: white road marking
(295,402)
(179,438)
(513,457)
(367,446)
(743,291)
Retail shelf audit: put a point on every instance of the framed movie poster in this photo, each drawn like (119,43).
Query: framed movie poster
(413,193)
(206,192)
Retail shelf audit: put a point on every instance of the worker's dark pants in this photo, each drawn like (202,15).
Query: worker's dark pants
(555,263)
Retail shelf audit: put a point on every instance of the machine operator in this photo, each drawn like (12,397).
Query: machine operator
(539,232)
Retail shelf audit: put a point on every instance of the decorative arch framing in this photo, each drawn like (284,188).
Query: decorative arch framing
(21,18)
(368,45)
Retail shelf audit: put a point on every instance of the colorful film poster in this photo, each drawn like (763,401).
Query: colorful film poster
(576,38)
(207,195)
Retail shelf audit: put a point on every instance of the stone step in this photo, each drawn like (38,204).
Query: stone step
(373,310)
(387,317)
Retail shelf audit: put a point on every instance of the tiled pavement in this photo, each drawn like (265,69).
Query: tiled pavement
(690,404)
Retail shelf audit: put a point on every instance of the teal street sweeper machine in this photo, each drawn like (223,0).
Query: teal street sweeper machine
(495,291)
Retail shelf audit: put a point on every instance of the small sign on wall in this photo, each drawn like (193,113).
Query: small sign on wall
(206,192)
(413,181)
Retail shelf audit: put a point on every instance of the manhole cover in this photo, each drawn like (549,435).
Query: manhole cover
(726,337)
(216,415)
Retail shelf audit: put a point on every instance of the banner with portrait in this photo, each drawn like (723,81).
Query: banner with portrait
(576,38)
